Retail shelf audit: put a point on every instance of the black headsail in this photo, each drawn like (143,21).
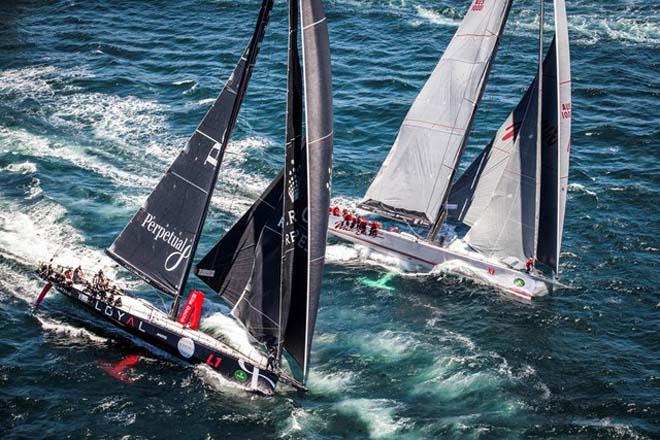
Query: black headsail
(319,143)
(160,241)
(293,285)
(282,312)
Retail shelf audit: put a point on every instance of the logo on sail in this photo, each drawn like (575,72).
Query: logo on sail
(566,110)
(181,247)
(293,185)
(511,131)
(478,5)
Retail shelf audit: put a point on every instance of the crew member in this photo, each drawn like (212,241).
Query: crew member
(529,264)
(363,225)
(373,232)
(78,275)
(68,277)
(355,220)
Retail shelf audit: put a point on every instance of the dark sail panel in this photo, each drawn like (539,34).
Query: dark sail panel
(547,242)
(244,266)
(228,267)
(556,142)
(294,222)
(160,241)
(464,189)
(319,135)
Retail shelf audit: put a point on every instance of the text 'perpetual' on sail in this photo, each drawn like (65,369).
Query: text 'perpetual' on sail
(160,241)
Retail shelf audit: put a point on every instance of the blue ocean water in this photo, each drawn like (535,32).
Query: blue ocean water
(96,97)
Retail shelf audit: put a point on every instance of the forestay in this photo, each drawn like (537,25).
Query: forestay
(413,181)
(160,241)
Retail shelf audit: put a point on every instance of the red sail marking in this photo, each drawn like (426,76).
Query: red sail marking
(478,5)
(511,131)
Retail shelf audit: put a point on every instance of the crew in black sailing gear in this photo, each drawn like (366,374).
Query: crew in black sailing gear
(78,275)
(272,357)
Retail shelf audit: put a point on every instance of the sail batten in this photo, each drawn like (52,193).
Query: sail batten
(414,180)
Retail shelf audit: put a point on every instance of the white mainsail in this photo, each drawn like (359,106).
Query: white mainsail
(414,179)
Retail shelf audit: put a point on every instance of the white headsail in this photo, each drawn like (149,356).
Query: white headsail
(498,195)
(414,179)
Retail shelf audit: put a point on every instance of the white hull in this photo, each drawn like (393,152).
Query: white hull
(452,259)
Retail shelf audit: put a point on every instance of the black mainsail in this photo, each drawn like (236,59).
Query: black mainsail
(160,241)
(277,297)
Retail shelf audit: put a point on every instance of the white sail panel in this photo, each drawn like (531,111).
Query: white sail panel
(473,191)
(414,178)
(506,226)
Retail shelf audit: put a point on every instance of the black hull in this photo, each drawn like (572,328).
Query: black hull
(183,343)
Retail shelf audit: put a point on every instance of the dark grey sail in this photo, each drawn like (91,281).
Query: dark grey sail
(319,135)
(244,265)
(277,296)
(498,193)
(293,281)
(160,241)
(556,142)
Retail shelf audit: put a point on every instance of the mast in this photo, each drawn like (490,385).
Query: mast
(158,244)
(539,128)
(250,58)
(269,266)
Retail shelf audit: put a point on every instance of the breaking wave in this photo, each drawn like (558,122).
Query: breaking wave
(434,17)
(380,415)
(21,168)
(71,332)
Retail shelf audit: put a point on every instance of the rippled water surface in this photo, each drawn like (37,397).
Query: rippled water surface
(96,98)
